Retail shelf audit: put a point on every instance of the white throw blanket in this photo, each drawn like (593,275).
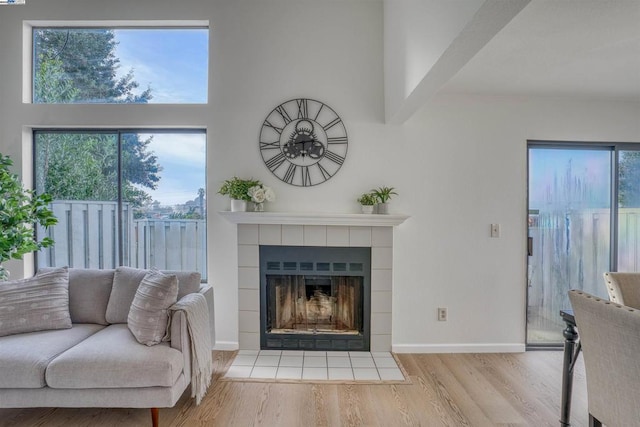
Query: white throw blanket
(194,306)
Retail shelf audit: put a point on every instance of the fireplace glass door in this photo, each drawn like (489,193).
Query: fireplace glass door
(300,304)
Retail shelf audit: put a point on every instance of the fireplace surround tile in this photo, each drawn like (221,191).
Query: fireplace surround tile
(360,237)
(249,340)
(381,279)
(292,235)
(380,323)
(381,301)
(249,300)
(250,237)
(270,234)
(382,236)
(248,256)
(249,278)
(248,234)
(337,236)
(315,235)
(249,321)
(380,342)
(381,257)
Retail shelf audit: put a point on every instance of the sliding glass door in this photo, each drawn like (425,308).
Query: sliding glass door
(569,229)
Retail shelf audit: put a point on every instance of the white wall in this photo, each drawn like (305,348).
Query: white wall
(459,164)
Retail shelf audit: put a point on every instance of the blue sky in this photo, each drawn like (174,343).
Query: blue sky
(174,64)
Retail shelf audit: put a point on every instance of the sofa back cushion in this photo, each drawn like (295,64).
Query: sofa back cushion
(38,303)
(125,284)
(89,291)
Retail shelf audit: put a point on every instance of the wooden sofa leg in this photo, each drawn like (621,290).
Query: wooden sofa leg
(154,416)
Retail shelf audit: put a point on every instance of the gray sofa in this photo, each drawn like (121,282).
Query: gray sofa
(98,362)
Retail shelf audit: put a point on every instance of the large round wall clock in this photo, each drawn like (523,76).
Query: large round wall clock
(303,142)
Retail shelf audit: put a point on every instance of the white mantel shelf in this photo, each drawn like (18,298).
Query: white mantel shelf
(314,218)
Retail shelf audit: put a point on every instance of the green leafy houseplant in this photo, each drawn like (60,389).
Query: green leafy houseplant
(20,210)
(383,194)
(368,199)
(237,188)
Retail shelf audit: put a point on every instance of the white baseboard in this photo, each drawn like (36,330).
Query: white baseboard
(458,348)
(226,345)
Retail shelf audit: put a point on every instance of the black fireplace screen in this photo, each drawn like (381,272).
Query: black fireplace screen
(300,304)
(315,298)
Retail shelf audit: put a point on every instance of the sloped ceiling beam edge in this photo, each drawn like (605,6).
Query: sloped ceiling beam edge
(488,21)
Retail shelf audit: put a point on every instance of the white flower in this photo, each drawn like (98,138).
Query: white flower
(269,194)
(257,194)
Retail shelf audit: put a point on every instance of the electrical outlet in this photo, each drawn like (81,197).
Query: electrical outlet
(442,314)
(495,230)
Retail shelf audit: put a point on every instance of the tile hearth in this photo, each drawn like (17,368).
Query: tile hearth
(315,365)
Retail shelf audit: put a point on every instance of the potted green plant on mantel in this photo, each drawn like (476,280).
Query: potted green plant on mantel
(242,191)
(367,202)
(383,194)
(20,210)
(238,191)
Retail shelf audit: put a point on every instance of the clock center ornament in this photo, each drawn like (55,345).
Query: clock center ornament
(303,142)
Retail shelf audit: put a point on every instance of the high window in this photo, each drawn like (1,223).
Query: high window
(124,197)
(120,65)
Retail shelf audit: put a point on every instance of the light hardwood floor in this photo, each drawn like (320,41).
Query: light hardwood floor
(447,390)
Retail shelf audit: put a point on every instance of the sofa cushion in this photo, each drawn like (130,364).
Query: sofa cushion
(89,291)
(24,357)
(113,358)
(126,281)
(38,303)
(188,281)
(148,314)
(125,284)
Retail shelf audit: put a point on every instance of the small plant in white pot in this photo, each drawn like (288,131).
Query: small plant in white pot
(367,202)
(383,195)
(238,190)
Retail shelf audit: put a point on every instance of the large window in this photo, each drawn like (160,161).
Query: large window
(120,65)
(124,197)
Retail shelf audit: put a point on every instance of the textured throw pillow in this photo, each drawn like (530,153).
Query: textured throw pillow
(148,314)
(35,304)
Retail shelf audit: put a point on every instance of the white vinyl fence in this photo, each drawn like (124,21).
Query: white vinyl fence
(87,236)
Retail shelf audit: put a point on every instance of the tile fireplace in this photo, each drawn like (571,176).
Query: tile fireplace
(261,229)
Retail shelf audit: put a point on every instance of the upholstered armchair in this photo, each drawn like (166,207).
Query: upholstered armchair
(624,288)
(610,337)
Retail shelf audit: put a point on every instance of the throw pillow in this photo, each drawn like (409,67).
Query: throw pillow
(148,314)
(36,304)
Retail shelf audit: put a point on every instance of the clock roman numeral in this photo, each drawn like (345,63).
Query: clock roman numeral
(291,172)
(337,140)
(303,111)
(335,158)
(325,173)
(315,119)
(283,113)
(270,145)
(275,162)
(276,128)
(332,123)
(306,177)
